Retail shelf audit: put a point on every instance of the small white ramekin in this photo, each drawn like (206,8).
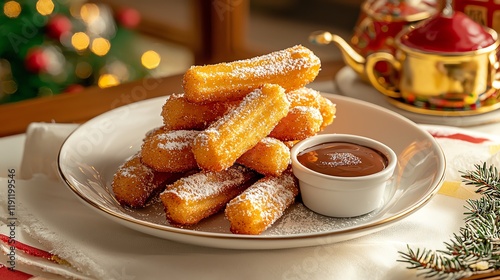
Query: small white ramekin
(337,196)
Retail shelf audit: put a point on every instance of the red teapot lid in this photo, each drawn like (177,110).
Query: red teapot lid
(448,33)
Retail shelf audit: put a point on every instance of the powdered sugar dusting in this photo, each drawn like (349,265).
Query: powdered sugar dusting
(176,140)
(270,196)
(131,170)
(341,159)
(207,184)
(278,62)
(239,114)
(298,219)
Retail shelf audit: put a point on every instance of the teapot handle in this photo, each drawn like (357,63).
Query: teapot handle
(373,77)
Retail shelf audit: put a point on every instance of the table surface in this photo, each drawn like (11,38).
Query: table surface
(79,107)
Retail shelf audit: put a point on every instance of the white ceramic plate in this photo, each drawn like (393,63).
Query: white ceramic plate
(92,153)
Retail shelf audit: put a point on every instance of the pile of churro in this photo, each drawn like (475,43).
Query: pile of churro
(225,142)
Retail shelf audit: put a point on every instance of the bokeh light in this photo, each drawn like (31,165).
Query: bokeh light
(45,7)
(89,12)
(80,41)
(150,59)
(83,70)
(12,9)
(100,46)
(9,87)
(108,80)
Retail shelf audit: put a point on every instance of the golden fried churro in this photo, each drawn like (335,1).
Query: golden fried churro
(290,68)
(259,206)
(178,113)
(135,183)
(193,198)
(328,110)
(304,96)
(218,147)
(310,97)
(169,151)
(269,157)
(300,123)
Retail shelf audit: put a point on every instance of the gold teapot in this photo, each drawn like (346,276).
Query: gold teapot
(446,61)
(378,24)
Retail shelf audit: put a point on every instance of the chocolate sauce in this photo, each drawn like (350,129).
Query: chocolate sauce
(343,159)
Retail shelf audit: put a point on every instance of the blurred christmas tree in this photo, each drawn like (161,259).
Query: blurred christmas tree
(60,46)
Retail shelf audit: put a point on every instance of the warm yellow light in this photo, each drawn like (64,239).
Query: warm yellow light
(150,59)
(89,12)
(80,41)
(107,80)
(100,46)
(83,70)
(45,7)
(12,9)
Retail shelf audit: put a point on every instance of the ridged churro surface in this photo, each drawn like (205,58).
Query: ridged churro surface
(269,157)
(300,123)
(259,206)
(193,198)
(223,142)
(134,183)
(291,68)
(169,151)
(178,113)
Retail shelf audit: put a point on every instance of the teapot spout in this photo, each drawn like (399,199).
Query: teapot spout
(349,55)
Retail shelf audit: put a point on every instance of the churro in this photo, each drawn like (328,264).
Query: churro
(193,198)
(300,123)
(259,206)
(223,142)
(328,110)
(309,97)
(178,113)
(269,157)
(135,183)
(291,68)
(169,151)
(304,96)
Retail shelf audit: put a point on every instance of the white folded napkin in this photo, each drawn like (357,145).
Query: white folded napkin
(99,248)
(43,141)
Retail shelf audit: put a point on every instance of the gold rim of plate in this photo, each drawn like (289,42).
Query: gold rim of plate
(488,105)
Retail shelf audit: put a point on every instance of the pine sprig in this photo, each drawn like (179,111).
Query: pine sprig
(486,179)
(476,249)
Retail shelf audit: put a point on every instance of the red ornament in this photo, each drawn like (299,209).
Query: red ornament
(128,17)
(58,26)
(36,60)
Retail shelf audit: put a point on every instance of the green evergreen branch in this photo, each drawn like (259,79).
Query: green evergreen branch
(476,248)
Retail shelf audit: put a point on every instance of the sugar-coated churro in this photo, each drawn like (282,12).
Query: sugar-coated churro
(269,157)
(328,110)
(259,206)
(300,123)
(135,183)
(291,68)
(304,96)
(178,113)
(312,98)
(193,198)
(169,151)
(223,142)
